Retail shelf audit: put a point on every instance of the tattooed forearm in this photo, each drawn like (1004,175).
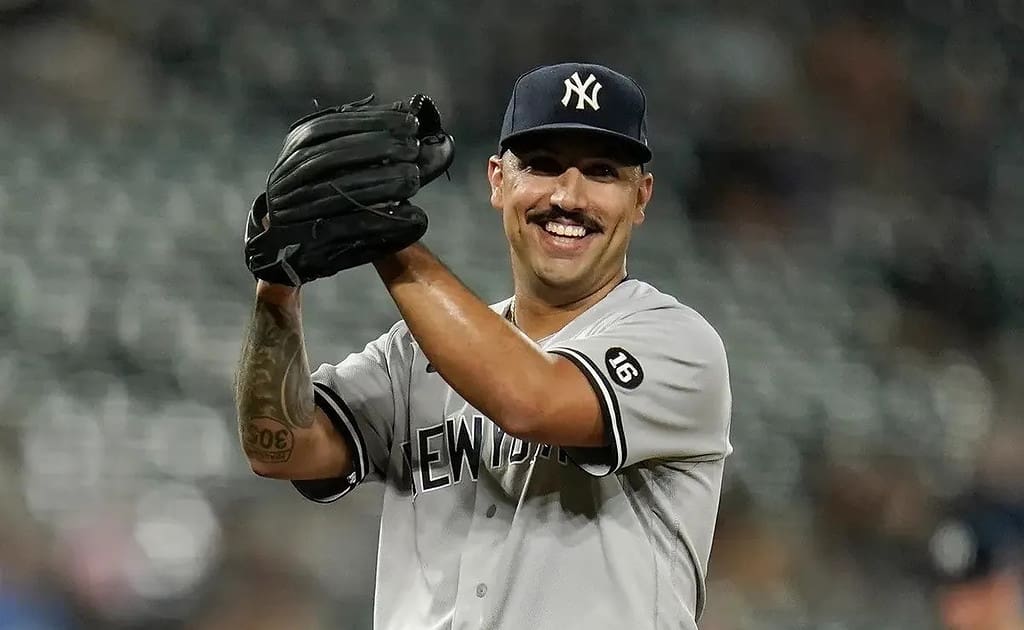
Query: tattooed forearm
(267,440)
(274,392)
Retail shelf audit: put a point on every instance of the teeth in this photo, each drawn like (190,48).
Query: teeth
(573,231)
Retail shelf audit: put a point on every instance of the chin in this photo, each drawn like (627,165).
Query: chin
(561,276)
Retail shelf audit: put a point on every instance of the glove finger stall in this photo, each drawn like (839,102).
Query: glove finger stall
(437,147)
(301,252)
(316,163)
(437,152)
(364,187)
(331,125)
(361,105)
(367,237)
(258,211)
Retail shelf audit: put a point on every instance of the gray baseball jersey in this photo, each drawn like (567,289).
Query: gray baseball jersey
(482,530)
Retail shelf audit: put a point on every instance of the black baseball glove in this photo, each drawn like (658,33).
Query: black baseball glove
(338,196)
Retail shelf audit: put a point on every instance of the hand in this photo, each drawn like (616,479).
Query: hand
(338,195)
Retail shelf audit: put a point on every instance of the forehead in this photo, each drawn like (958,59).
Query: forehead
(572,145)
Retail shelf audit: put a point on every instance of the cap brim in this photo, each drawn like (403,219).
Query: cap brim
(637,150)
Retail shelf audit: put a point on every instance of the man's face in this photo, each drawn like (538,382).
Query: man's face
(569,203)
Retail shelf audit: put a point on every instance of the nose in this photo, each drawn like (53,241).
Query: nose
(569,192)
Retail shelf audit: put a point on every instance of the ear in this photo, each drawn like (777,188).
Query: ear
(495,175)
(644,190)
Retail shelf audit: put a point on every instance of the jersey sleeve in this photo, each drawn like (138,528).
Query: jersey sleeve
(359,396)
(661,378)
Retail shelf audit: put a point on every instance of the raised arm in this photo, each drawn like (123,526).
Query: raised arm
(283,434)
(528,392)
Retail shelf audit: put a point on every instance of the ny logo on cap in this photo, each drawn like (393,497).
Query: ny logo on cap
(575,85)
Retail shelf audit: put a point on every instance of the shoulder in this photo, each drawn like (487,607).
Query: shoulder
(643,304)
(636,296)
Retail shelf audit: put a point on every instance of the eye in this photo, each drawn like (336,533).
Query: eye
(602,170)
(542,165)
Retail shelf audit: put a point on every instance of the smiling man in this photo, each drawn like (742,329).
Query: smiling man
(550,461)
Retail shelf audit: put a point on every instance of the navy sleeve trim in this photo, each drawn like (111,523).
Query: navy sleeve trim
(329,490)
(344,421)
(609,409)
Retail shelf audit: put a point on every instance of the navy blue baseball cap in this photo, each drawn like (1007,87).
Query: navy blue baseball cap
(578,96)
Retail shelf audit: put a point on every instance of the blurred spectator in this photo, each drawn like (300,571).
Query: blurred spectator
(976,556)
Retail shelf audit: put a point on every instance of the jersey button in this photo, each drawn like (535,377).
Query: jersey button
(491,510)
(481,589)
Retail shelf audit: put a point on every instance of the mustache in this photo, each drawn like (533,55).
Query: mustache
(555,212)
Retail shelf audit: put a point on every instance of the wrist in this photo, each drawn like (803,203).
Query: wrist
(279,294)
(405,265)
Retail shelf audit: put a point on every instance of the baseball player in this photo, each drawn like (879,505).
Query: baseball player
(550,461)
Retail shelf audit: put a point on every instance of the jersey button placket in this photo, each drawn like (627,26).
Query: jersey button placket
(483,542)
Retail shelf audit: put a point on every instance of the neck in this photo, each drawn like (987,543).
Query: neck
(539,316)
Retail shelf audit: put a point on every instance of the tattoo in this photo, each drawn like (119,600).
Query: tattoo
(274,391)
(267,440)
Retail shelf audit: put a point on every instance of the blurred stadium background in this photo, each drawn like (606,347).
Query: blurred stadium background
(838,191)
